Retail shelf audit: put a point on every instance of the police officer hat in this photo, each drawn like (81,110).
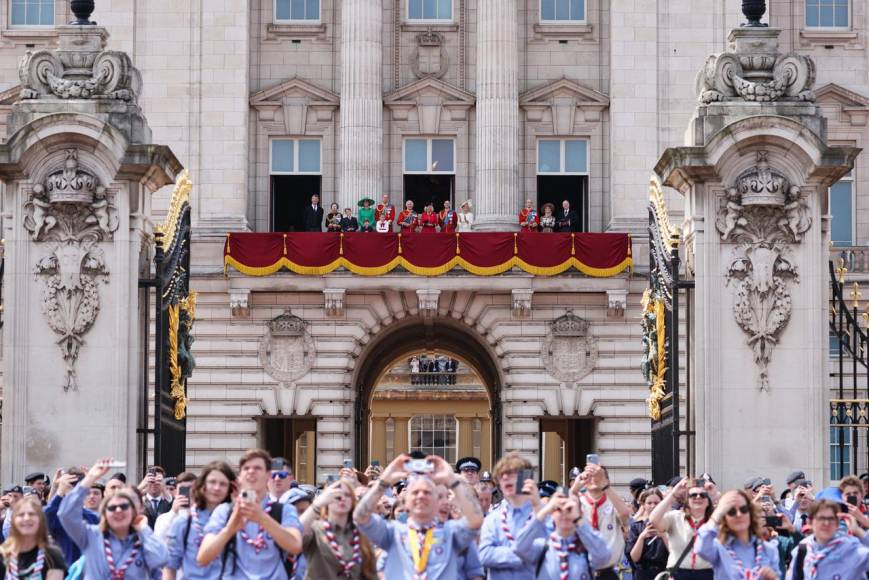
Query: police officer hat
(547,488)
(31,477)
(485,477)
(468,463)
(638,484)
(13,489)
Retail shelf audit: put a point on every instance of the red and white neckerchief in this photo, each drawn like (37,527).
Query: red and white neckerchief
(197,527)
(505,525)
(754,572)
(356,557)
(814,556)
(258,543)
(32,571)
(420,552)
(118,573)
(695,528)
(595,504)
(557,543)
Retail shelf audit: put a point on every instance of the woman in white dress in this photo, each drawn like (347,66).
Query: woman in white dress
(466,218)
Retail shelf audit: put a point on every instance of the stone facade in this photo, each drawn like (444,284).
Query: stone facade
(223,79)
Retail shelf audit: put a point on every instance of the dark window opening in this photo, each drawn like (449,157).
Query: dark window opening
(425,188)
(290,195)
(555,189)
(295,441)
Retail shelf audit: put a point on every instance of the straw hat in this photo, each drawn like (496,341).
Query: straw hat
(468,203)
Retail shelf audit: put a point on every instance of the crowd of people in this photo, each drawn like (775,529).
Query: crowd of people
(421,518)
(382,218)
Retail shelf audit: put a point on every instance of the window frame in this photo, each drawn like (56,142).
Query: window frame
(277,20)
(541,20)
(296,141)
(849,178)
(428,150)
(563,153)
(847,27)
(26,26)
(846,461)
(455,446)
(433,21)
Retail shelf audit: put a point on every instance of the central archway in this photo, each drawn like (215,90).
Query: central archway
(412,335)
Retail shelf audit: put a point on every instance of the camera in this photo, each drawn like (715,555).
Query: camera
(248,496)
(419,466)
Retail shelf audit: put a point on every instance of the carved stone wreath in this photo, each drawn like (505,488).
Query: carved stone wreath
(429,57)
(569,352)
(286,352)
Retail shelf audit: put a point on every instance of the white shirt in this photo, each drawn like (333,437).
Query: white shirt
(608,527)
(466,222)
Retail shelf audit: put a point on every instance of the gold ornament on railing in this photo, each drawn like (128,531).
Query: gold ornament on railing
(670,234)
(181,317)
(654,352)
(180,196)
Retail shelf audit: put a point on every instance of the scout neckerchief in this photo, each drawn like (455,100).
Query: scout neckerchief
(816,555)
(505,526)
(420,553)
(695,527)
(595,504)
(32,571)
(754,571)
(118,573)
(346,566)
(258,543)
(557,543)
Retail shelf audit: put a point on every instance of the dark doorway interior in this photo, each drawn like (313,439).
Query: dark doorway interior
(555,189)
(290,194)
(567,442)
(293,439)
(422,189)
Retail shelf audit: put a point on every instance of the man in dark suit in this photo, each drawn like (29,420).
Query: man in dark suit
(154,498)
(312,217)
(566,220)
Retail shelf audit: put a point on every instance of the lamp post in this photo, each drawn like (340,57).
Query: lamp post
(82,9)
(754,11)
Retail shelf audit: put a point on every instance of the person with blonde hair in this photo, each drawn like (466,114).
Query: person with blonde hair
(27,553)
(332,544)
(731,541)
(466,217)
(121,546)
(681,527)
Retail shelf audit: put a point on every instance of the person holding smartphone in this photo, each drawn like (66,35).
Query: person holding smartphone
(830,552)
(646,547)
(180,504)
(214,486)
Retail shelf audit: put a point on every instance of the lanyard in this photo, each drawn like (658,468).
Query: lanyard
(420,556)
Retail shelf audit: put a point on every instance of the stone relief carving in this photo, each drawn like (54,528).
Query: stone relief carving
(756,77)
(286,351)
(70,74)
(430,57)
(763,214)
(569,352)
(73,213)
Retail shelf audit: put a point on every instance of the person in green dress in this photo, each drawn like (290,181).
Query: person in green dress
(366,210)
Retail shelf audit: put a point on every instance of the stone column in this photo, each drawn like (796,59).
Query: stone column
(497,191)
(466,437)
(378,440)
(361,102)
(401,442)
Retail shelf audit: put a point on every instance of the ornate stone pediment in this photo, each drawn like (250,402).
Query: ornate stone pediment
(430,97)
(563,98)
(295,98)
(286,352)
(853,108)
(569,351)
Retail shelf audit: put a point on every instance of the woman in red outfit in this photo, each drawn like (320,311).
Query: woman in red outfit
(429,221)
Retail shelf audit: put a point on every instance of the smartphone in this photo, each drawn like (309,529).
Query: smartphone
(772,521)
(592,458)
(184,491)
(151,472)
(843,508)
(348,464)
(701,482)
(375,463)
(851,499)
(248,495)
(418,466)
(27,490)
(521,476)
(117,465)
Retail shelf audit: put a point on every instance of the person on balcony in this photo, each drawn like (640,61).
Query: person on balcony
(529,219)
(408,220)
(449,218)
(366,226)
(383,226)
(385,209)
(568,220)
(312,216)
(348,222)
(366,210)
(429,220)
(466,218)
(547,220)
(333,219)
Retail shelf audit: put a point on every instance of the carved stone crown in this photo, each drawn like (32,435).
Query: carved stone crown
(71,184)
(287,325)
(570,325)
(429,38)
(761,185)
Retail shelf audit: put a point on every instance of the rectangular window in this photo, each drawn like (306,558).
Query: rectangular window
(429,156)
(430,10)
(297,10)
(32,12)
(842,212)
(828,13)
(562,156)
(295,157)
(434,435)
(562,10)
(840,456)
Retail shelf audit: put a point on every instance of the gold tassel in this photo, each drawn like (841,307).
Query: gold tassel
(515,244)
(285,244)
(572,244)
(341,244)
(399,244)
(228,249)
(458,250)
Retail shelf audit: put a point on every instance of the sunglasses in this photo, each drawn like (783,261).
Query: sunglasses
(118,507)
(280,474)
(744,509)
(698,495)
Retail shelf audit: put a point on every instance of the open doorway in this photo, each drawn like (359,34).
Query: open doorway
(294,439)
(434,188)
(289,196)
(555,189)
(564,444)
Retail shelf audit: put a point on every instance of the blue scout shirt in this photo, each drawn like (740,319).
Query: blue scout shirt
(450,538)
(848,559)
(726,568)
(71,553)
(250,565)
(534,539)
(152,556)
(497,553)
(181,558)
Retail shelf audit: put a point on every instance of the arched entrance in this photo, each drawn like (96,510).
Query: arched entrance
(411,337)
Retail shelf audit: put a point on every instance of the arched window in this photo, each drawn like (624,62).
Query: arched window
(434,435)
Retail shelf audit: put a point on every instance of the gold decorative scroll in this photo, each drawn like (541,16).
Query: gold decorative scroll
(176,387)
(670,234)
(656,390)
(180,197)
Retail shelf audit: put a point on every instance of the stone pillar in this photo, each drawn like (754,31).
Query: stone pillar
(466,437)
(79,171)
(361,102)
(401,442)
(755,174)
(378,440)
(498,198)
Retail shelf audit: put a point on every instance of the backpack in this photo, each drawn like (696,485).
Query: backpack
(276,512)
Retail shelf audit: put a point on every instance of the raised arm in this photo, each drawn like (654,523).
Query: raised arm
(219,530)
(70,508)
(393,473)
(465,498)
(664,506)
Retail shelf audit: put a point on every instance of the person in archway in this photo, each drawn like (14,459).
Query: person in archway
(423,547)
